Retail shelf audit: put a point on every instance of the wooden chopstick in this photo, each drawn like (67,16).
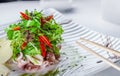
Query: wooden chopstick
(99,56)
(102,47)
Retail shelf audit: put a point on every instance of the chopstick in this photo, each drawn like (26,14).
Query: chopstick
(97,55)
(101,46)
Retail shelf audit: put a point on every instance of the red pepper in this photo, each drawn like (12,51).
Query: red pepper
(24,16)
(49,18)
(43,21)
(45,40)
(23,45)
(42,46)
(16,28)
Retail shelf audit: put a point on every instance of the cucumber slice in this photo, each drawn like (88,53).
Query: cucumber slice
(4,70)
(5,51)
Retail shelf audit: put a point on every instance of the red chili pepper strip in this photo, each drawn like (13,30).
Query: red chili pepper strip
(43,21)
(24,16)
(42,46)
(45,40)
(49,18)
(16,28)
(23,45)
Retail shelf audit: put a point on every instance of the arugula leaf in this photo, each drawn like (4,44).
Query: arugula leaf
(10,34)
(51,73)
(30,23)
(31,50)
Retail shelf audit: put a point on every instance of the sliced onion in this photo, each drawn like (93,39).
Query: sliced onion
(20,56)
(34,60)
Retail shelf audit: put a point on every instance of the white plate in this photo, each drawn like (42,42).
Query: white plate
(72,64)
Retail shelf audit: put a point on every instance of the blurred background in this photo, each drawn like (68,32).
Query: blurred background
(99,15)
(16,0)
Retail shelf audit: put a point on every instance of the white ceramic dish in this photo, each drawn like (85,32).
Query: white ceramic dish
(72,64)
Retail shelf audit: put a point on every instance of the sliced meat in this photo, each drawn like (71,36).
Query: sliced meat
(31,67)
(57,56)
(59,46)
(51,58)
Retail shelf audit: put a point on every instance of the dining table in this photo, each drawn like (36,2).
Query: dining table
(87,13)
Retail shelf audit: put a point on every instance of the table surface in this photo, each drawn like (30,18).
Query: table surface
(86,12)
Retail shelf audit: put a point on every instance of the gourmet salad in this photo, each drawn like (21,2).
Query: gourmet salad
(35,42)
